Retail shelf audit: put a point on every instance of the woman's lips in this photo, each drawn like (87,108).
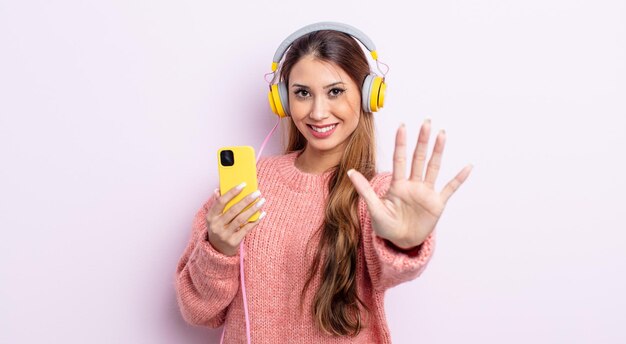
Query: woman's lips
(322,135)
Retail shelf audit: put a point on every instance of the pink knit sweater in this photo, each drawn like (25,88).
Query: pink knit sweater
(276,266)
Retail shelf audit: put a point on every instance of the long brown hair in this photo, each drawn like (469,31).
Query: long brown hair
(336,308)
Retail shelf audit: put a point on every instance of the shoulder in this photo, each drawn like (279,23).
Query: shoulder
(264,161)
(272,160)
(272,164)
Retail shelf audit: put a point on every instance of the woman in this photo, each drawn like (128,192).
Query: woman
(334,234)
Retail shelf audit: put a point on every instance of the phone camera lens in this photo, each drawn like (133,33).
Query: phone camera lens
(227,158)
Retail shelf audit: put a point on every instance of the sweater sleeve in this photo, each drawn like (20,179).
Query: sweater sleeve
(389,266)
(206,280)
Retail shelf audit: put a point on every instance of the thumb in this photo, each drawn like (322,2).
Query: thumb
(364,189)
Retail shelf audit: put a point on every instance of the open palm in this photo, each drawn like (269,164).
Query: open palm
(411,208)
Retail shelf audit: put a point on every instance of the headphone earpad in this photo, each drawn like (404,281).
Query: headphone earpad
(366,92)
(279,99)
(284,97)
(373,95)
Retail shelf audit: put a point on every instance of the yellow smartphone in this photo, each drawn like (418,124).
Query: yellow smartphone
(237,164)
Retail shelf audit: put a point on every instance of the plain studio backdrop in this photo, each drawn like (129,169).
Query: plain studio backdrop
(111,113)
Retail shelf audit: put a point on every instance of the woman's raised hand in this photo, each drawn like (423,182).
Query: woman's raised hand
(227,230)
(409,211)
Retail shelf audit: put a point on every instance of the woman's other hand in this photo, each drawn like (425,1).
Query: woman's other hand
(409,211)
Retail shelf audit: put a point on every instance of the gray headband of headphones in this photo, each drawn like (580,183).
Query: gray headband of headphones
(352,31)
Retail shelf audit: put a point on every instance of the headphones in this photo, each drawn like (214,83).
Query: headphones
(373,90)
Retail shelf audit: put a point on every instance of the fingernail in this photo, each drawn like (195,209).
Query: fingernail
(260,203)
(427,120)
(350,171)
(262,215)
(216,192)
(241,186)
(256,194)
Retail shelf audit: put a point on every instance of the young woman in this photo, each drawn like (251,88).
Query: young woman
(334,234)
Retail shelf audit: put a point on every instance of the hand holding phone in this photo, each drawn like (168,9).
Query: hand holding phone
(236,210)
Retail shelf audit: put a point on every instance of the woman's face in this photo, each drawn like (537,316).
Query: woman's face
(324,102)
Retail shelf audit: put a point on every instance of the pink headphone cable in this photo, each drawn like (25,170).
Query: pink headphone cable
(267,139)
(242,253)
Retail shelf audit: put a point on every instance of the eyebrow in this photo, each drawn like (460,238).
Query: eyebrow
(328,86)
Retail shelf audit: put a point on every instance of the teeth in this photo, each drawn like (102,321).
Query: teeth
(325,129)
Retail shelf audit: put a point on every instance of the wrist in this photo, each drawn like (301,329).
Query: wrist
(220,247)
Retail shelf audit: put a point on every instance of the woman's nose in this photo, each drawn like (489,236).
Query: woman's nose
(320,109)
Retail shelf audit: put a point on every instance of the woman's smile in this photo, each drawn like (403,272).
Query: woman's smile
(322,132)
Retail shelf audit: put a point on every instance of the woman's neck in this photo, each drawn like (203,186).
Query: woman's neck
(317,162)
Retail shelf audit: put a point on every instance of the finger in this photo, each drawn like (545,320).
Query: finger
(245,215)
(222,200)
(419,155)
(232,212)
(399,154)
(455,183)
(364,189)
(244,230)
(434,164)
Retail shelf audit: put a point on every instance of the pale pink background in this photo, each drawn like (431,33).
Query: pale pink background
(111,113)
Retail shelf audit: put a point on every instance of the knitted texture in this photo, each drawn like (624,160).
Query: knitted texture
(277,262)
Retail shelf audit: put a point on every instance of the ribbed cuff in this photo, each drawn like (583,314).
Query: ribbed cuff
(400,261)
(212,263)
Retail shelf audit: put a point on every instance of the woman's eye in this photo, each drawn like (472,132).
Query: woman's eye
(302,93)
(336,92)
